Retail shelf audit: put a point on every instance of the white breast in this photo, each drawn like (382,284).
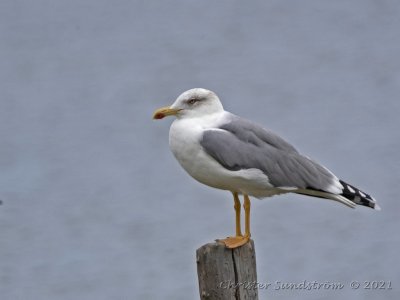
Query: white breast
(184,141)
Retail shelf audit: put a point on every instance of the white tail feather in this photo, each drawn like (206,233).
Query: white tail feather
(321,194)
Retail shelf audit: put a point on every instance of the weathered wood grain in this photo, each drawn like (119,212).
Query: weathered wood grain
(227,273)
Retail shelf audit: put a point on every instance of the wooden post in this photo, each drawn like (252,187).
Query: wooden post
(227,273)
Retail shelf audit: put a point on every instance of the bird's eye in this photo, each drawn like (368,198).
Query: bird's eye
(192,101)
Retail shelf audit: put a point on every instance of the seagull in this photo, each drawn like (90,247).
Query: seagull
(225,151)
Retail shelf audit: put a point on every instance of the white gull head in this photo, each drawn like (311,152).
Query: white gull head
(196,103)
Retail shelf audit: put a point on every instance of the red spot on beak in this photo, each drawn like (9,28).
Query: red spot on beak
(159,116)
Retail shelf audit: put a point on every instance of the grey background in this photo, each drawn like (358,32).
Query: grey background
(96,207)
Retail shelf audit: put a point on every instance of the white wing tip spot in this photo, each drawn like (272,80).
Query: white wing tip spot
(350,189)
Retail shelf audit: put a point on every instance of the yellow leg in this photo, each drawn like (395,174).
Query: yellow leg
(246,206)
(237,214)
(239,239)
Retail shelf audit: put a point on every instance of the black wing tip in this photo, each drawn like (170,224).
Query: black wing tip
(357,196)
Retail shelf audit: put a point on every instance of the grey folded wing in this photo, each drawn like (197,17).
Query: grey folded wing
(240,144)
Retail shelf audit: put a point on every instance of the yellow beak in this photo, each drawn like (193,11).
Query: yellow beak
(164,112)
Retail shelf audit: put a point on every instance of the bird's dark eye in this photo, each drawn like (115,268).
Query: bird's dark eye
(192,101)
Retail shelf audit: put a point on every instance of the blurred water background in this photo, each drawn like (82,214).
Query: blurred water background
(96,207)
